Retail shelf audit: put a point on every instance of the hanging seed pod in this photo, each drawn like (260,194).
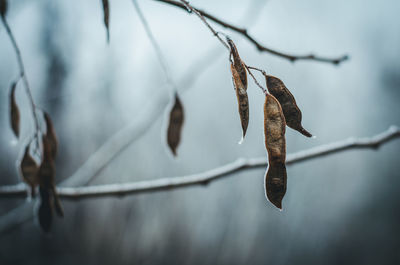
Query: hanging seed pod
(3,8)
(106,12)
(176,118)
(238,63)
(51,135)
(45,213)
(242,98)
(48,194)
(29,169)
(275,143)
(290,109)
(14,111)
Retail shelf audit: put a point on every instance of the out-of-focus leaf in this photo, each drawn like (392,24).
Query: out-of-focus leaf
(176,118)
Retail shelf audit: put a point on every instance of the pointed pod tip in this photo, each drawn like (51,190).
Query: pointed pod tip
(241,140)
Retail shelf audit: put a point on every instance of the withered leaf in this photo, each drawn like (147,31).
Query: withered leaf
(3,8)
(290,109)
(106,12)
(14,111)
(242,98)
(275,143)
(51,135)
(29,170)
(176,118)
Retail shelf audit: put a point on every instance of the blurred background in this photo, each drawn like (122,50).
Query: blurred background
(340,209)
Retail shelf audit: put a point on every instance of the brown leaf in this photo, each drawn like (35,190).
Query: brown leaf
(176,118)
(290,109)
(3,8)
(51,135)
(14,111)
(275,143)
(242,98)
(29,170)
(106,11)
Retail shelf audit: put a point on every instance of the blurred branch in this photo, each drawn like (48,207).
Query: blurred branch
(210,175)
(259,46)
(22,74)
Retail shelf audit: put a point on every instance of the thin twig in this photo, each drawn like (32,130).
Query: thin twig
(22,74)
(190,8)
(258,45)
(255,79)
(156,47)
(122,189)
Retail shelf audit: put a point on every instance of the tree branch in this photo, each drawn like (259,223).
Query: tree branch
(259,46)
(206,177)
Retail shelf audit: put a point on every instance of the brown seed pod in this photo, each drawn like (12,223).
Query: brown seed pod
(275,143)
(29,169)
(275,183)
(48,194)
(106,11)
(290,109)
(176,118)
(238,63)
(51,135)
(3,8)
(14,111)
(242,98)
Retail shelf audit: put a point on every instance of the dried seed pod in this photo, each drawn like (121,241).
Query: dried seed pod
(242,98)
(51,135)
(274,131)
(275,183)
(45,213)
(106,12)
(48,194)
(29,169)
(176,118)
(290,109)
(14,111)
(3,8)
(238,63)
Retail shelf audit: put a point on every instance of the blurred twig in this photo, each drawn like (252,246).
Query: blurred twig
(204,178)
(259,46)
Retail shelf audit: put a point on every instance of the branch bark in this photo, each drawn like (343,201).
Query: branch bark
(122,189)
(259,46)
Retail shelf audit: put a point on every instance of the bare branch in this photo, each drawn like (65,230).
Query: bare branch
(259,46)
(22,75)
(208,176)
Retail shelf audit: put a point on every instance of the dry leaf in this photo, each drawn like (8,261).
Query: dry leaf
(14,111)
(290,109)
(176,118)
(29,170)
(3,8)
(275,143)
(51,135)
(106,11)
(242,98)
